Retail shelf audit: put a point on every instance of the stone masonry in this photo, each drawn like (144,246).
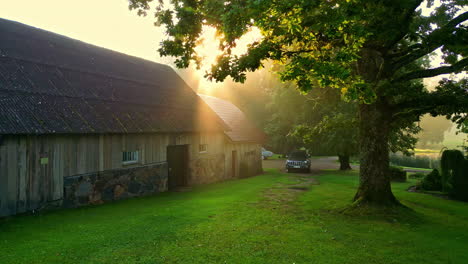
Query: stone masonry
(106,186)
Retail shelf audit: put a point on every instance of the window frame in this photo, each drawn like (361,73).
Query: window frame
(203,143)
(130,157)
(202,148)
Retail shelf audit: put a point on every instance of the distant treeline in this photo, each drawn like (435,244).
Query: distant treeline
(414,161)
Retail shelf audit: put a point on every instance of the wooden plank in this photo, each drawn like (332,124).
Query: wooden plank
(107,156)
(57,170)
(157,149)
(101,152)
(12,164)
(22,174)
(116,151)
(32,191)
(141,146)
(92,157)
(4,211)
(44,179)
(82,151)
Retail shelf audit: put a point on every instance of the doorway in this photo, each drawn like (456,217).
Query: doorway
(177,162)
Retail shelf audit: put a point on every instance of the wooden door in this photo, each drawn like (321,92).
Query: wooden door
(177,161)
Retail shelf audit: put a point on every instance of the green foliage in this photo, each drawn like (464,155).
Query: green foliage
(432,181)
(454,172)
(337,131)
(464,129)
(397,174)
(414,161)
(321,43)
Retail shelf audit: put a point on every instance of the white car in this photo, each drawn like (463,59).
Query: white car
(266,154)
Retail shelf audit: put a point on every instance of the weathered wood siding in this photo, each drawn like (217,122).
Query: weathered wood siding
(32,168)
(249,161)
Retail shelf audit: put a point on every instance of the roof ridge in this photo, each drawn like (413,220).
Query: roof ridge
(81,42)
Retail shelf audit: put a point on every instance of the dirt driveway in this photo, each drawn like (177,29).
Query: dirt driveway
(316,164)
(283,193)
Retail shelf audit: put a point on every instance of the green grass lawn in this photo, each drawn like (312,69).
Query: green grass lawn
(254,220)
(276,157)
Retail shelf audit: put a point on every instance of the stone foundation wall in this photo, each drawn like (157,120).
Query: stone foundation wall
(111,185)
(207,169)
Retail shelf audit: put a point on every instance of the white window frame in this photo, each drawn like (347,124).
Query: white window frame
(203,143)
(130,157)
(203,148)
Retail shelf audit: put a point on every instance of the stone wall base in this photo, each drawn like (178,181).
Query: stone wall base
(207,169)
(111,185)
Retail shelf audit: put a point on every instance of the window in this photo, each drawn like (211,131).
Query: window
(130,157)
(203,148)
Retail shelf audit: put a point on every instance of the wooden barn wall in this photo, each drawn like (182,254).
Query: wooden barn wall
(249,161)
(32,168)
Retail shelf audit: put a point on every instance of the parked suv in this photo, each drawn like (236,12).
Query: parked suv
(298,160)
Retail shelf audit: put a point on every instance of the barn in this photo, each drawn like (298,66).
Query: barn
(242,141)
(81,125)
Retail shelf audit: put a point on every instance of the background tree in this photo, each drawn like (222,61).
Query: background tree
(367,49)
(337,132)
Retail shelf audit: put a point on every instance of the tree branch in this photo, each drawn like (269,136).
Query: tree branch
(449,99)
(408,13)
(457,67)
(405,51)
(292,52)
(436,39)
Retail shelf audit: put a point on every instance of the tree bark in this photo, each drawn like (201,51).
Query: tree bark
(344,162)
(374,182)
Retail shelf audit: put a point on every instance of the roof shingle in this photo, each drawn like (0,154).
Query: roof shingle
(240,128)
(53,84)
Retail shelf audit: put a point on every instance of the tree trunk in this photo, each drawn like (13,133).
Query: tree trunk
(344,162)
(374,183)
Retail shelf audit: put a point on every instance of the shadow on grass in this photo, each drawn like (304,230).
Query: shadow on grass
(393,214)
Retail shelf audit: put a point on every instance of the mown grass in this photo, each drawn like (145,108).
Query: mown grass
(276,157)
(244,222)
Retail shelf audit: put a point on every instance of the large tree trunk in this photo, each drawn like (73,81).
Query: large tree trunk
(374,185)
(344,162)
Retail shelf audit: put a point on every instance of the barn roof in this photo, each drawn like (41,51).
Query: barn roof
(53,84)
(240,128)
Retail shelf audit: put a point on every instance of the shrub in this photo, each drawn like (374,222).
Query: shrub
(397,174)
(417,175)
(432,181)
(454,172)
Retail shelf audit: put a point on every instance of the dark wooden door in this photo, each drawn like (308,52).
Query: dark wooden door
(177,161)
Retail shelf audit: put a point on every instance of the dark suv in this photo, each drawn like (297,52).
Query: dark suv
(298,160)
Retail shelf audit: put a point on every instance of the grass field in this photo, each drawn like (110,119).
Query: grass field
(256,220)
